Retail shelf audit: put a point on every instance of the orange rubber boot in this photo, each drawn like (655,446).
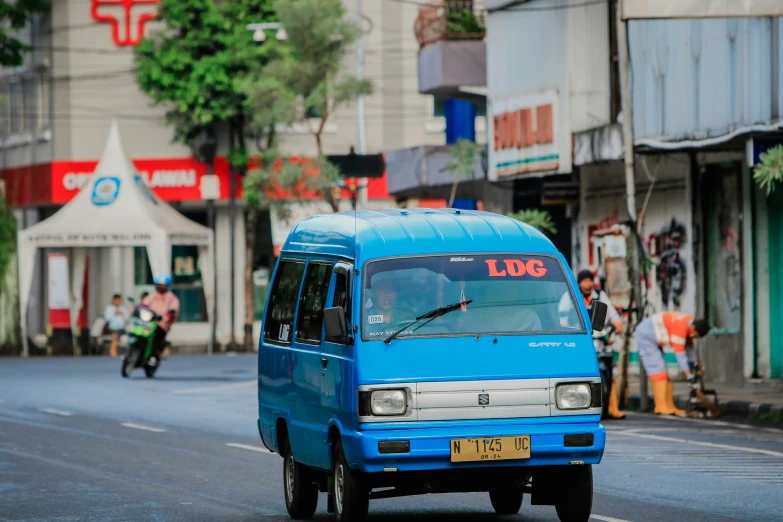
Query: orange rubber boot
(660,395)
(614,408)
(670,401)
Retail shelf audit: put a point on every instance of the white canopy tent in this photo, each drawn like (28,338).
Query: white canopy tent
(115,209)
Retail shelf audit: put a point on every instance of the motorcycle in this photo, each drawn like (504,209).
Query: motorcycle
(141,333)
(602,342)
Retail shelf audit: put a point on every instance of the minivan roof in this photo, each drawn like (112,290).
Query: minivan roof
(369,234)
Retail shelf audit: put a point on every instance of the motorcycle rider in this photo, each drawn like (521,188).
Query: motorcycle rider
(586,282)
(164,303)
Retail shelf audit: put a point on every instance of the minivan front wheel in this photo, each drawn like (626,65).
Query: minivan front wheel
(351,500)
(575,502)
(301,494)
(506,502)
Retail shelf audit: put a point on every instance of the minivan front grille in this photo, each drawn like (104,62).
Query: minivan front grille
(474,400)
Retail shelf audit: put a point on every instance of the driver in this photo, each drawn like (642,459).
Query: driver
(383,316)
(164,303)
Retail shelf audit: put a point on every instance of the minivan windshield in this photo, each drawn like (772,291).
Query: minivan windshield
(509,294)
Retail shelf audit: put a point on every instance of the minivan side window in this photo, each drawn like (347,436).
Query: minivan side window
(311,307)
(282,302)
(342,297)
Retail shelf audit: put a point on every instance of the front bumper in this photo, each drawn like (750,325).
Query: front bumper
(430,443)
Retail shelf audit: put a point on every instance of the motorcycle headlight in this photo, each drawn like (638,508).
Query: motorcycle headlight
(573,396)
(389,402)
(146,315)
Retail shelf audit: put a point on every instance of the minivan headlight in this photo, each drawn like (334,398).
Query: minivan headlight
(572,396)
(389,402)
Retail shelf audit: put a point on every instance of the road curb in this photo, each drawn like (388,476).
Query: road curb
(750,410)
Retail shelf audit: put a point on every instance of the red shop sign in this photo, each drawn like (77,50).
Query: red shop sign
(171,179)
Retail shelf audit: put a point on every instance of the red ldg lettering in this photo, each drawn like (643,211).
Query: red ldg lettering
(516,268)
(535,267)
(493,269)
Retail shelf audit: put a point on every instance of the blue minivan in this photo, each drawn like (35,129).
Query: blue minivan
(417,351)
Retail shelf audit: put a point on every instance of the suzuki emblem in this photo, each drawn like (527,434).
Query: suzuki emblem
(483,399)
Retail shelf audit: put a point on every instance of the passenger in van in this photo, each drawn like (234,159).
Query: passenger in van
(384,310)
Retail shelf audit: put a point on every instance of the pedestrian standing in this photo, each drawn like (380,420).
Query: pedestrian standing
(675,330)
(116,316)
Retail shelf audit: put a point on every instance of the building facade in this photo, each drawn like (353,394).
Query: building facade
(55,113)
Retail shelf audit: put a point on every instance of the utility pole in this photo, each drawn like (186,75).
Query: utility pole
(232,218)
(361,129)
(630,201)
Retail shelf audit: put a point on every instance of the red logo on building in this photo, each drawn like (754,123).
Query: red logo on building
(120,13)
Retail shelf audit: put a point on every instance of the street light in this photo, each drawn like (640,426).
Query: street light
(258,31)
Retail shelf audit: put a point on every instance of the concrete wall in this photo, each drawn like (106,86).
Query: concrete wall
(93,85)
(568,49)
(603,197)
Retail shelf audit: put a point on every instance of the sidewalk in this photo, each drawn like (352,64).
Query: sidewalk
(754,401)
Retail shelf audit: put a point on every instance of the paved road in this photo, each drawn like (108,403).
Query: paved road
(79,443)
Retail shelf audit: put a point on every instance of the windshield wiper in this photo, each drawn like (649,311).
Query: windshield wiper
(432,314)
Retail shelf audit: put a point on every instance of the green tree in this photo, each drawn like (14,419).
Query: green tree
(15,16)
(9,307)
(308,84)
(463,163)
(7,240)
(196,67)
(769,172)
(536,218)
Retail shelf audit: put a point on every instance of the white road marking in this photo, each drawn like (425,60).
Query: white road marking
(244,384)
(607,519)
(700,443)
(56,412)
(186,503)
(141,427)
(247,447)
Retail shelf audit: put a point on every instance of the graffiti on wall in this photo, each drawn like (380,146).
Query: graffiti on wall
(667,251)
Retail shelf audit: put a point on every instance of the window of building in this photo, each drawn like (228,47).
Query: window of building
(29,116)
(15,107)
(4,110)
(42,120)
(282,302)
(311,308)
(724,262)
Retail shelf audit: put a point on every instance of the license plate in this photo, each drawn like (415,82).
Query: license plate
(490,449)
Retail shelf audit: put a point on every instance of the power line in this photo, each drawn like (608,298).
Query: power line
(547,8)
(558,7)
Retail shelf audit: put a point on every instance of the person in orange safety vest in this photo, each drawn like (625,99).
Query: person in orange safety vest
(675,330)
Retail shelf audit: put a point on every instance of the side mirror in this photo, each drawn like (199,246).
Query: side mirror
(334,318)
(598,311)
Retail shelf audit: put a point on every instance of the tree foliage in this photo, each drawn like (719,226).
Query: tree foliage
(536,218)
(277,184)
(309,72)
(301,79)
(769,172)
(196,65)
(15,16)
(7,240)
(462,165)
